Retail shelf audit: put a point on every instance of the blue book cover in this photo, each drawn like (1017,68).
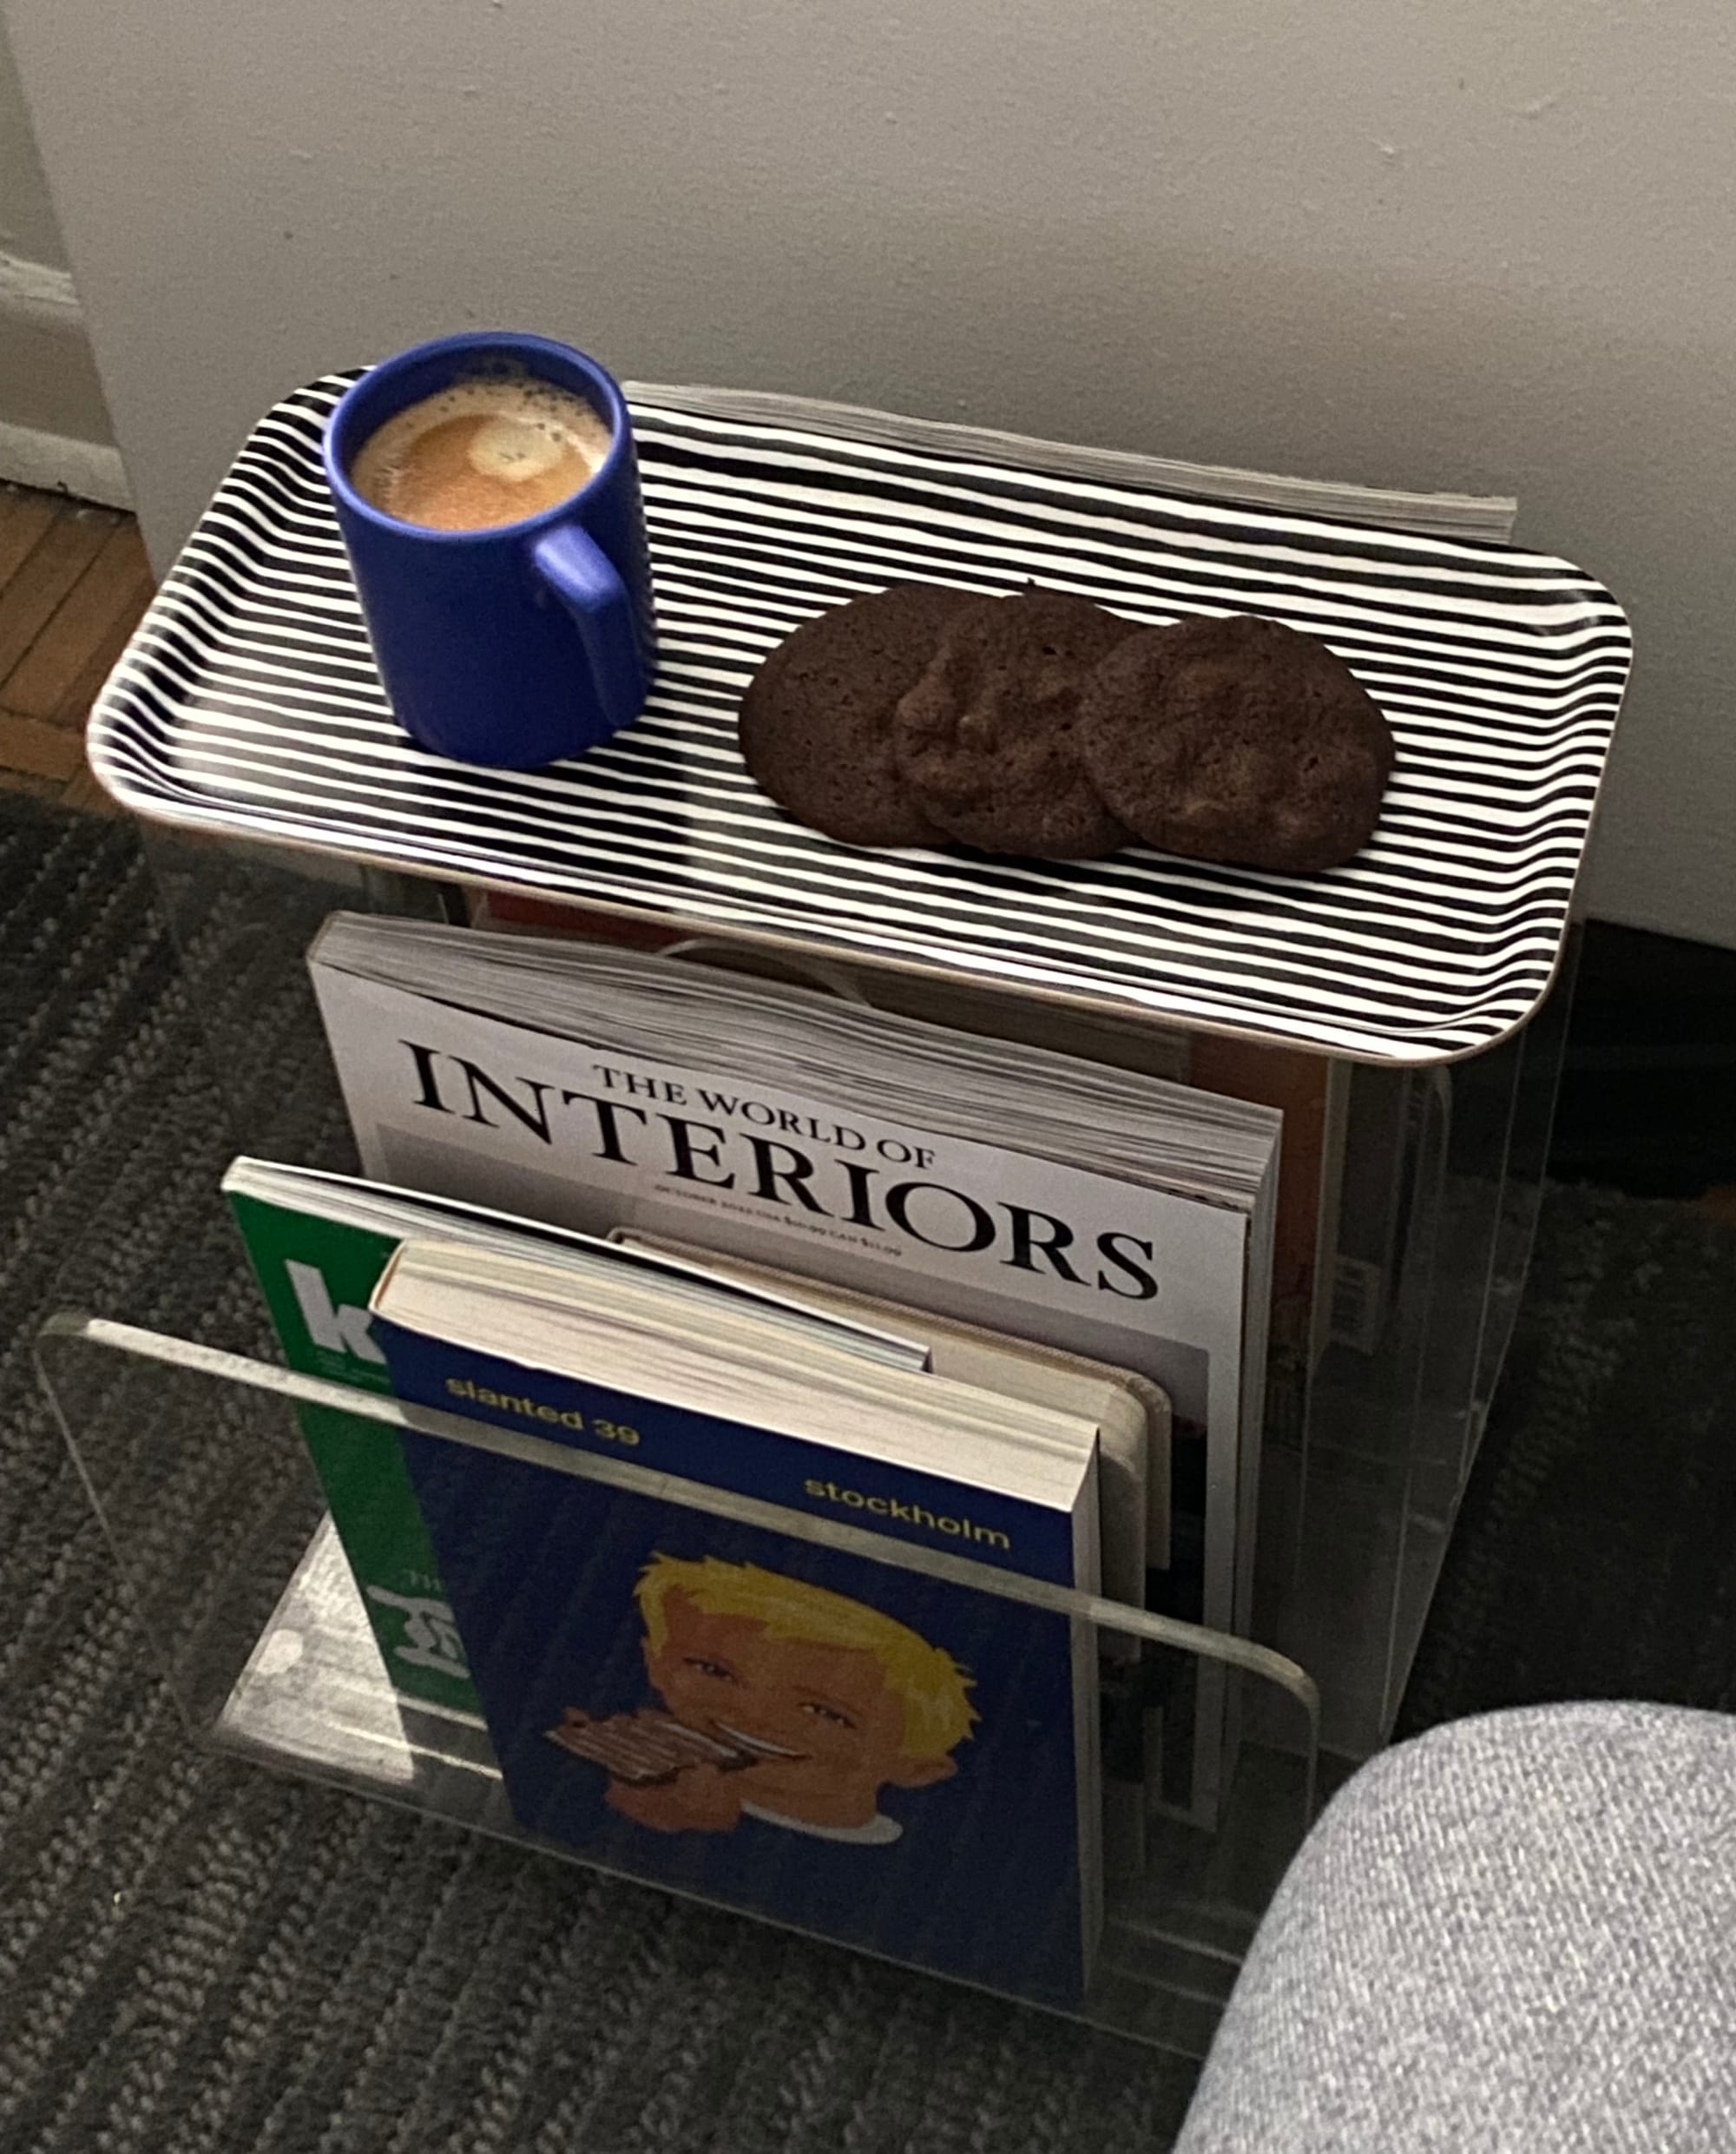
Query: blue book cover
(883,1757)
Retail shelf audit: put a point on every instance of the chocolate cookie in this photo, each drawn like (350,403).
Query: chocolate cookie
(816,722)
(985,739)
(1239,741)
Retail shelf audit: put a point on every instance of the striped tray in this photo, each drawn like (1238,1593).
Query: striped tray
(247,703)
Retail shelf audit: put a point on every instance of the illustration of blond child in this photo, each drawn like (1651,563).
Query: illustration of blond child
(782,1702)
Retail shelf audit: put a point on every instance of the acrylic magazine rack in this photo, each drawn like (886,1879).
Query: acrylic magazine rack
(1415,1001)
(196,1465)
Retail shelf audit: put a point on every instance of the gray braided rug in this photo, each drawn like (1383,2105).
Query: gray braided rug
(197,1955)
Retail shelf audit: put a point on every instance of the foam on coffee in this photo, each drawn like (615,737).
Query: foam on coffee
(489,450)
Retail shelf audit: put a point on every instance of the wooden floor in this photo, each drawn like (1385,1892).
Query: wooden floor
(73,582)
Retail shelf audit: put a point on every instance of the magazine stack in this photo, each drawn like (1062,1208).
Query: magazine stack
(945,1289)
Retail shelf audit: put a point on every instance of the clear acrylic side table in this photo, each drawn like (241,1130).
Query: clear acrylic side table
(270,1649)
(246,727)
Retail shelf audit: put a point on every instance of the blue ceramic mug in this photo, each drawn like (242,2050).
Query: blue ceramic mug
(521,642)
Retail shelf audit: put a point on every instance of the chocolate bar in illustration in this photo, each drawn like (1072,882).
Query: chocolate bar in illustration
(644,1747)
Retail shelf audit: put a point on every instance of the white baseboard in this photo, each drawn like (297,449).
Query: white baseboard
(38,296)
(88,470)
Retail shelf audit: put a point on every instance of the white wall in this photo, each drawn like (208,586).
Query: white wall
(53,426)
(1480,244)
(27,218)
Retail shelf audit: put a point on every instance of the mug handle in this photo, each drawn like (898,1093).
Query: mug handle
(583,578)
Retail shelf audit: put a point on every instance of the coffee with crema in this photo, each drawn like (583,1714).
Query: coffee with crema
(485,451)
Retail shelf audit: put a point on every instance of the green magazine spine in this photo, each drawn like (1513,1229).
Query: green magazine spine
(317,1277)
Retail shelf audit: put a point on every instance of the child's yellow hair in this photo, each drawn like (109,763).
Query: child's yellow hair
(932,1685)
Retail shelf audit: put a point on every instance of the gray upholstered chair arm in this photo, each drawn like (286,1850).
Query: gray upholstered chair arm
(1517,1933)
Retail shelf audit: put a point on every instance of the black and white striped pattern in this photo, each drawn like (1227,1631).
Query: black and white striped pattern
(247,703)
